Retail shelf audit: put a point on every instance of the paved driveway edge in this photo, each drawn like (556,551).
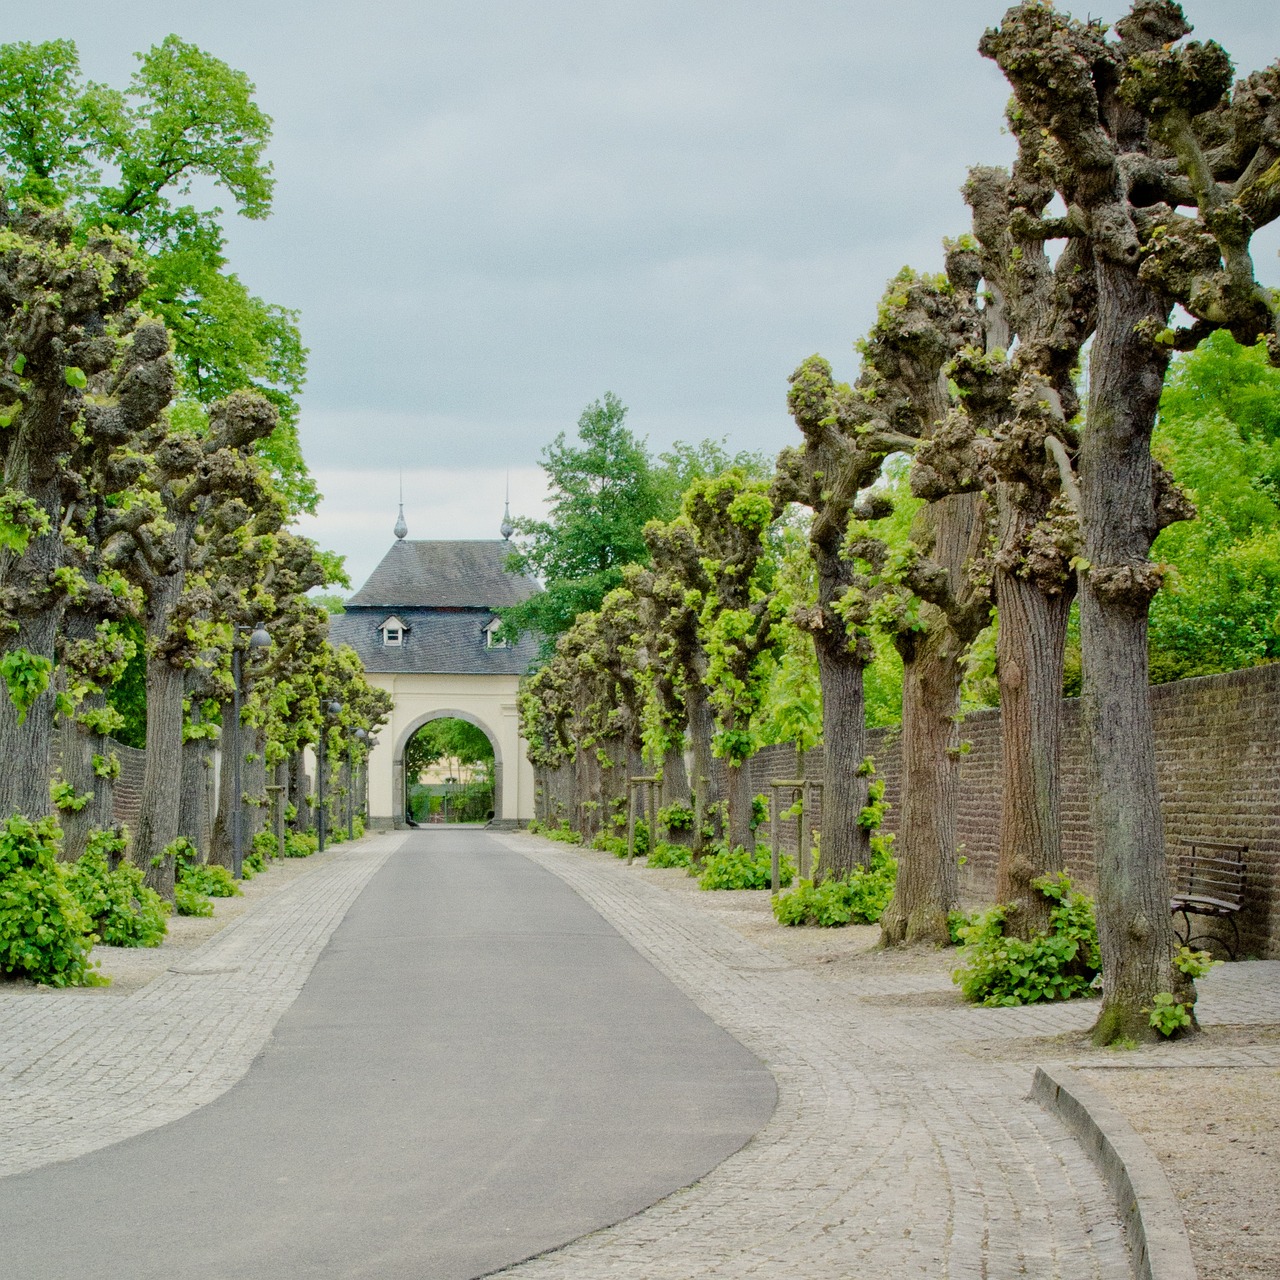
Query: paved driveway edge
(1158,1241)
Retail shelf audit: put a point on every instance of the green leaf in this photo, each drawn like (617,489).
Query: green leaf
(75,377)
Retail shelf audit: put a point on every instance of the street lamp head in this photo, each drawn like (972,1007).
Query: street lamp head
(261,638)
(361,734)
(335,708)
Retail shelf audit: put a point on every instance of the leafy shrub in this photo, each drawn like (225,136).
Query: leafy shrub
(1169,1015)
(255,858)
(606,843)
(300,844)
(759,811)
(190,902)
(265,843)
(564,833)
(122,911)
(738,869)
(211,879)
(860,897)
(676,817)
(1057,965)
(671,855)
(44,932)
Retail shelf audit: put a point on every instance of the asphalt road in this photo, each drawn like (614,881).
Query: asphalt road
(478,1069)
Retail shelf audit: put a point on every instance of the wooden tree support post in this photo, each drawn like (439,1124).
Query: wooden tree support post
(276,792)
(648,782)
(796,787)
(815,789)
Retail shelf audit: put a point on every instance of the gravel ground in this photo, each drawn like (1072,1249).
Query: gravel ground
(1216,1133)
(131,968)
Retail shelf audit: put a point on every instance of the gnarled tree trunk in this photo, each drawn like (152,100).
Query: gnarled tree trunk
(1029,657)
(845,844)
(1118,524)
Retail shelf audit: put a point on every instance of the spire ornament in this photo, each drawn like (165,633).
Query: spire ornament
(506,528)
(401,530)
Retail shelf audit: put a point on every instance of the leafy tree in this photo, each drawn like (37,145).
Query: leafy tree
(457,741)
(1142,126)
(185,115)
(730,516)
(65,318)
(604,490)
(1219,433)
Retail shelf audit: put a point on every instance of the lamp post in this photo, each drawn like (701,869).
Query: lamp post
(331,711)
(258,639)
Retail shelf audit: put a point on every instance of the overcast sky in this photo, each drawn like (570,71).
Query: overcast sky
(489,213)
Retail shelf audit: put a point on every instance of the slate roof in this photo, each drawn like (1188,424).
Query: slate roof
(445,594)
(444,575)
(438,642)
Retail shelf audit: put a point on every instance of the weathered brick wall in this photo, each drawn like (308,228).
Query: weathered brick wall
(1218,754)
(126,796)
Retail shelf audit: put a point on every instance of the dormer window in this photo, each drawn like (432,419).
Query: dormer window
(492,635)
(393,633)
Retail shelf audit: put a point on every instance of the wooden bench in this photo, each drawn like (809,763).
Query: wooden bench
(1209,881)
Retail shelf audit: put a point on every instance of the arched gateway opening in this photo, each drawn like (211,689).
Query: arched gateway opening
(450,770)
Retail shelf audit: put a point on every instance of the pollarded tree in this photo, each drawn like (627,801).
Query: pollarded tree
(831,473)
(730,516)
(675,595)
(663,715)
(93,647)
(200,482)
(1143,127)
(933,599)
(63,307)
(1015,436)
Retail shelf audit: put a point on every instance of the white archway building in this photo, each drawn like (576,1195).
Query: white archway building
(425,629)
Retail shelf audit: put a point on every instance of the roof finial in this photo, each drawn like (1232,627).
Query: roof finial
(401,530)
(507,528)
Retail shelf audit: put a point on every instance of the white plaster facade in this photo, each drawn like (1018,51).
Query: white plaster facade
(486,701)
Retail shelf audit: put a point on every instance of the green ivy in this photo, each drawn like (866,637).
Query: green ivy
(857,898)
(66,798)
(300,844)
(190,902)
(1057,965)
(26,676)
(676,816)
(45,934)
(738,869)
(121,909)
(107,766)
(671,855)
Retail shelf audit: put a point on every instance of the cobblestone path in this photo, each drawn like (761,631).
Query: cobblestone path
(79,1070)
(890,1154)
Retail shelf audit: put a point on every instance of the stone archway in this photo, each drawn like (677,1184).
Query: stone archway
(397,764)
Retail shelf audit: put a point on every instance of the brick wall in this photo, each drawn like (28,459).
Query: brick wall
(1218,755)
(126,796)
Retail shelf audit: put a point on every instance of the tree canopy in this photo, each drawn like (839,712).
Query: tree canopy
(125,159)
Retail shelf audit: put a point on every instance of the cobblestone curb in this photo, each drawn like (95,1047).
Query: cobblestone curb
(1157,1233)
(79,1071)
(889,1154)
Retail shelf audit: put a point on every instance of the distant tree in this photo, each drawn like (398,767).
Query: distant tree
(1219,434)
(457,742)
(603,491)
(186,115)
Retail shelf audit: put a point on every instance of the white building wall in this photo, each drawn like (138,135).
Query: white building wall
(488,702)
